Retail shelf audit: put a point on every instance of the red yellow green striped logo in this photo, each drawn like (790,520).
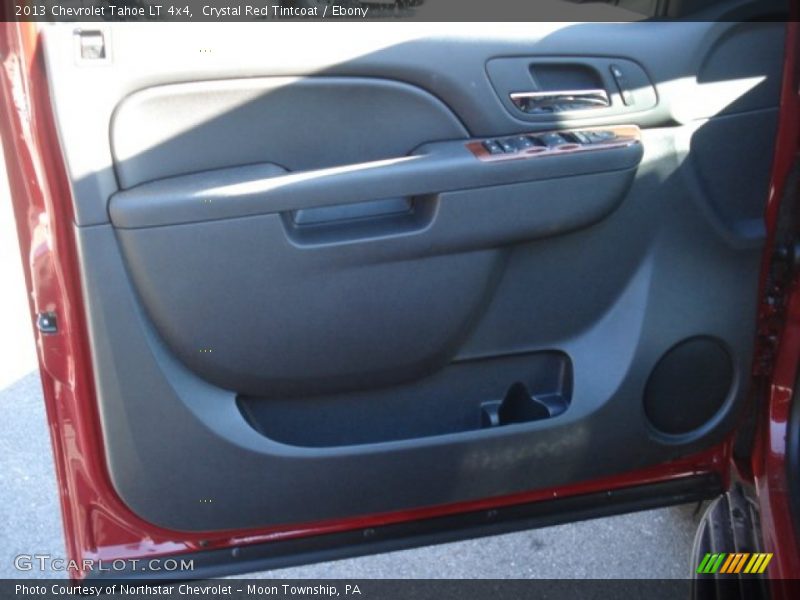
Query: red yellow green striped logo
(736,562)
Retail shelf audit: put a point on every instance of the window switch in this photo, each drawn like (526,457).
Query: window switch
(552,139)
(600,137)
(523,142)
(492,147)
(579,137)
(508,145)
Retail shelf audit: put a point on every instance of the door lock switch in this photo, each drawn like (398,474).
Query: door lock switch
(622,84)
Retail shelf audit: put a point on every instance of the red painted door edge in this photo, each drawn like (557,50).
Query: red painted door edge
(97,525)
(768,461)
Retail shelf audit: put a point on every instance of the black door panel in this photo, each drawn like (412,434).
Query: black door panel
(307,310)
(312,281)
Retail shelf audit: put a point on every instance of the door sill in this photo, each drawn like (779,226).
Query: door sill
(451,528)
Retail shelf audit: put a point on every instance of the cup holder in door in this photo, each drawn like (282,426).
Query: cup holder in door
(520,406)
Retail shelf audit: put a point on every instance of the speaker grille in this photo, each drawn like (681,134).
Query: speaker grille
(688,385)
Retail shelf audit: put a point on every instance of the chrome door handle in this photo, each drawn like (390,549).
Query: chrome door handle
(560,101)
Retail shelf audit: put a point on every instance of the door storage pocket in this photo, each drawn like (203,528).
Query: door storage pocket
(465,396)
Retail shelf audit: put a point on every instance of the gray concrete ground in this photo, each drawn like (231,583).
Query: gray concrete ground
(652,544)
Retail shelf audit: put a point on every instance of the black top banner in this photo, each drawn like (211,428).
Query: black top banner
(375,10)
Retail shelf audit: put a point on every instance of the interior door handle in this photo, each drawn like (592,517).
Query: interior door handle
(560,101)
